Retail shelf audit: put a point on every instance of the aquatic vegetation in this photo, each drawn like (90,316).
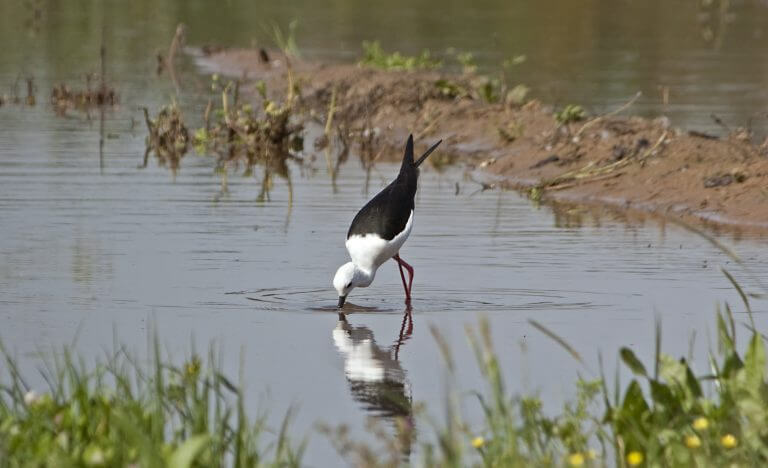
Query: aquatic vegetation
(570,113)
(375,56)
(241,132)
(168,137)
(64,98)
(15,98)
(119,414)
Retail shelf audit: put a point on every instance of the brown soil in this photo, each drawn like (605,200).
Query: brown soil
(630,162)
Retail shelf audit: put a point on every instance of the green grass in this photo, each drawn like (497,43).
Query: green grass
(374,56)
(191,415)
(570,113)
(115,414)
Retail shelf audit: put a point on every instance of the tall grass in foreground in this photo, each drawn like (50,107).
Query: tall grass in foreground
(118,415)
(193,416)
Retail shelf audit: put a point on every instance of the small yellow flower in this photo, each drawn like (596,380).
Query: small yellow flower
(700,423)
(575,459)
(478,442)
(692,441)
(729,441)
(635,458)
(591,454)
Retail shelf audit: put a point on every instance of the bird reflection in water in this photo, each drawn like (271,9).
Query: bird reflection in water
(376,378)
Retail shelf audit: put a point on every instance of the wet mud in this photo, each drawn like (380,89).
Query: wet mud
(615,159)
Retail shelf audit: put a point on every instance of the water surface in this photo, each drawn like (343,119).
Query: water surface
(89,248)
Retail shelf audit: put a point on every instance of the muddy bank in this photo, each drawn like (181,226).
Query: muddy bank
(614,159)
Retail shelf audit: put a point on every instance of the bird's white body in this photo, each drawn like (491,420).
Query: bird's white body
(370,251)
(388,215)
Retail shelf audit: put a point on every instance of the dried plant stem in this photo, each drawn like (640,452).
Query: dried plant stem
(610,114)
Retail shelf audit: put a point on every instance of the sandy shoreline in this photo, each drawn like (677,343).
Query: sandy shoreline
(618,160)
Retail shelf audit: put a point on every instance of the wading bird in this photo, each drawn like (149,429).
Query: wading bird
(380,229)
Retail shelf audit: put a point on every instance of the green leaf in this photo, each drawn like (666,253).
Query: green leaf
(186,453)
(632,362)
(754,362)
(726,340)
(672,371)
(692,382)
(634,404)
(663,396)
(732,364)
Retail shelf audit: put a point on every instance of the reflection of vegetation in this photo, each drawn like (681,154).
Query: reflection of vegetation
(64,98)
(15,98)
(714,16)
(168,137)
(187,415)
(35,16)
(374,56)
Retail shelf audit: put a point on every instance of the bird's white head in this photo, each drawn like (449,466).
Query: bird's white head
(347,278)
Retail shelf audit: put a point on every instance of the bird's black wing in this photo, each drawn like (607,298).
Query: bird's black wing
(387,213)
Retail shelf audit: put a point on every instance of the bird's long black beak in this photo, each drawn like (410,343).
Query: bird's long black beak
(341,301)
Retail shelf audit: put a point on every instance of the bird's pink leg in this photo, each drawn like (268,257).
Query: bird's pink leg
(402,276)
(402,263)
(405,334)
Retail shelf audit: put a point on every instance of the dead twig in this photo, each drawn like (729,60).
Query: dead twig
(610,114)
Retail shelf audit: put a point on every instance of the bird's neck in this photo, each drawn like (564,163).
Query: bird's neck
(364,277)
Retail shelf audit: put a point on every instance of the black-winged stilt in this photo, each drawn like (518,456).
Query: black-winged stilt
(380,229)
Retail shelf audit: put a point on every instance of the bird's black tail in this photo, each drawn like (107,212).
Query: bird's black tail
(408,162)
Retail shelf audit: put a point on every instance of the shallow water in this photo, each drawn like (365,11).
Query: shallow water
(92,248)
